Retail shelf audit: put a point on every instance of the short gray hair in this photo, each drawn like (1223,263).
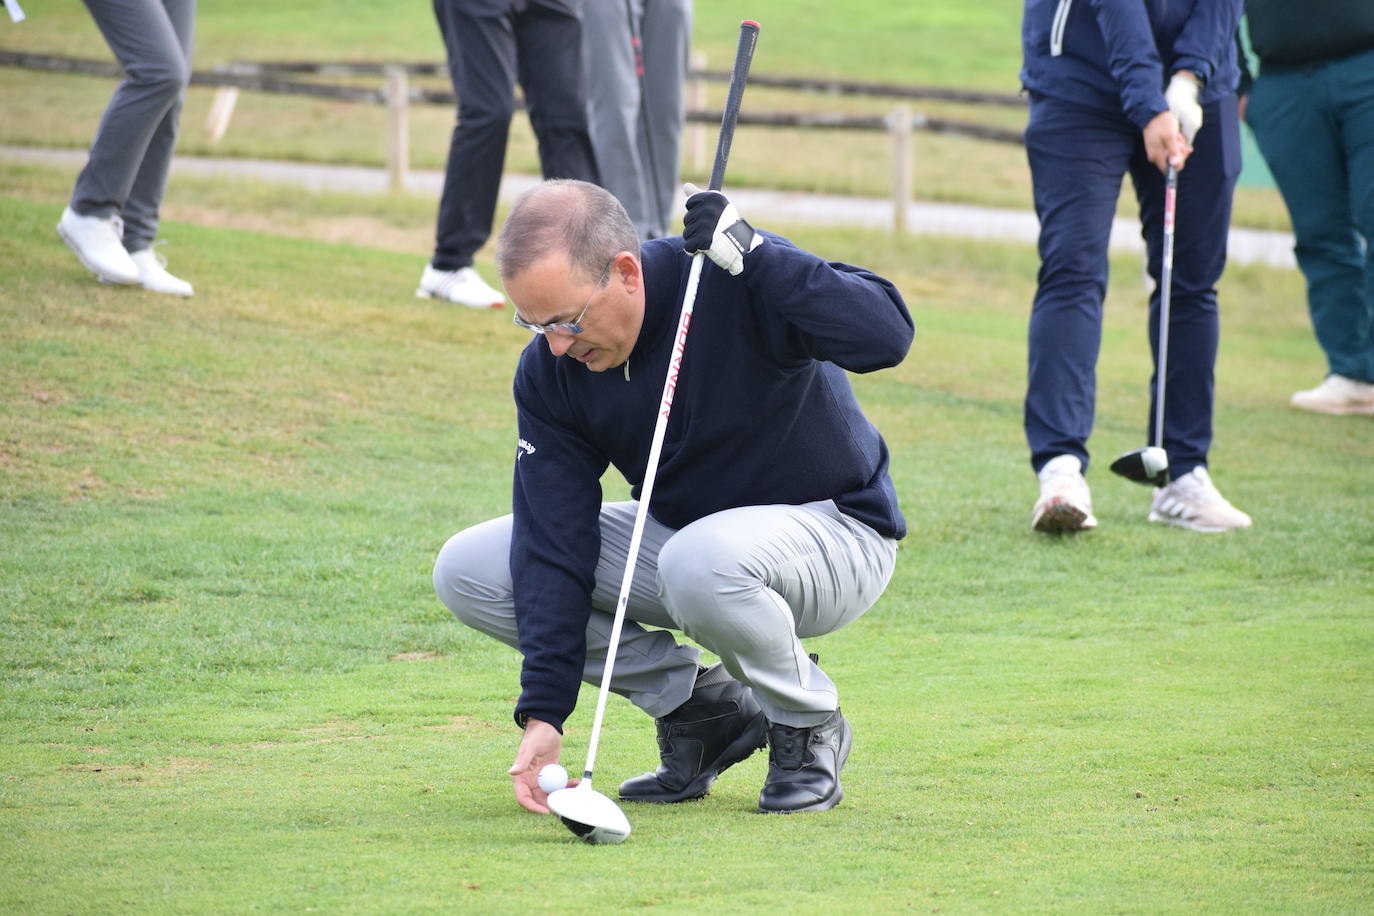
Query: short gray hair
(576,217)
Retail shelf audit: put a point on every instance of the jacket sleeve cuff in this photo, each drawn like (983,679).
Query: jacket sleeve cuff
(524,714)
(1142,115)
(1200,68)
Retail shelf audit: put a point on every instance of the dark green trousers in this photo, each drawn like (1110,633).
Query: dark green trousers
(1315,127)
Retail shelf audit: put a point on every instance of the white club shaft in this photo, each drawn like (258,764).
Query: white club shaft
(665,407)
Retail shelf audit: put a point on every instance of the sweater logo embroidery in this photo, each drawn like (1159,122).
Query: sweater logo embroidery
(523,448)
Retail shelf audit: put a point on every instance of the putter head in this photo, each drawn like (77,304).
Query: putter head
(1148,465)
(591,816)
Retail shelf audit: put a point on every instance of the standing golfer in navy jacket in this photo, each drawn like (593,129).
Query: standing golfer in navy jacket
(1125,87)
(773,517)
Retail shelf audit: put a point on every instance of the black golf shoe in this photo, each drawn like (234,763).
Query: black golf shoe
(804,766)
(719,725)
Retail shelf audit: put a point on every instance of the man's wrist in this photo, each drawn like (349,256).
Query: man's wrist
(1190,76)
(523,719)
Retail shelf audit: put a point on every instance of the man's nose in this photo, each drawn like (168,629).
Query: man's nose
(559,342)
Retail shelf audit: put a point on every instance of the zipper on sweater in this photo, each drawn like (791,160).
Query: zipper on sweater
(1061,19)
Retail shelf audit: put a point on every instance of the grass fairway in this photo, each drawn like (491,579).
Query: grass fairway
(228,685)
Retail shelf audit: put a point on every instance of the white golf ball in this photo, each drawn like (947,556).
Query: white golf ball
(553,777)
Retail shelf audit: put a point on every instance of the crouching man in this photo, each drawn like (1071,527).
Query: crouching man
(773,516)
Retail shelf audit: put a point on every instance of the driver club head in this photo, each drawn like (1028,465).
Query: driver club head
(1148,465)
(591,816)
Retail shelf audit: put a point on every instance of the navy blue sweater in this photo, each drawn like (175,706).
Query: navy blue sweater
(1118,55)
(763,414)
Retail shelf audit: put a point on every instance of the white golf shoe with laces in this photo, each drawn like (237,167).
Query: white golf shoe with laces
(463,286)
(1065,504)
(153,275)
(1192,501)
(96,242)
(1339,395)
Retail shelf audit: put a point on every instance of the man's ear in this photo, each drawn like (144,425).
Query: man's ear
(628,269)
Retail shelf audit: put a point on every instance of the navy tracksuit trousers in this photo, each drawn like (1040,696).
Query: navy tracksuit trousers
(1078,156)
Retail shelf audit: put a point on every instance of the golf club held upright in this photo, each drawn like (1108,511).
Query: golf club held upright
(586,812)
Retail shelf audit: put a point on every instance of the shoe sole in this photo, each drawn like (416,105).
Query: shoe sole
(1352,410)
(1192,526)
(99,275)
(753,738)
(1061,517)
(425,294)
(825,804)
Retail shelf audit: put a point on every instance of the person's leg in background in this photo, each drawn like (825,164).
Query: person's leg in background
(1315,128)
(151,41)
(613,106)
(1202,219)
(1077,157)
(481,61)
(141,212)
(150,181)
(548,35)
(666,36)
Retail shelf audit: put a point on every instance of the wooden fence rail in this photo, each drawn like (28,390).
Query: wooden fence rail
(397,95)
(823,85)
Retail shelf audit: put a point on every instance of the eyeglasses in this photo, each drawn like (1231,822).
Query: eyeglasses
(574,326)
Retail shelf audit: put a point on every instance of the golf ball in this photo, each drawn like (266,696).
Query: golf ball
(553,777)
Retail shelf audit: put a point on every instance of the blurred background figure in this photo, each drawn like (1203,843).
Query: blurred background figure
(490,45)
(1312,111)
(1128,89)
(112,218)
(637,63)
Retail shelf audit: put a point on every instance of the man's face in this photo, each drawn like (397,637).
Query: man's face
(550,291)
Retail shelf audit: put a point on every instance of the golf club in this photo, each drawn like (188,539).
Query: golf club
(590,815)
(1150,465)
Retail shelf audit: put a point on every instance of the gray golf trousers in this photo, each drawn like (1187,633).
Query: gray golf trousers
(746,583)
(635,120)
(126,174)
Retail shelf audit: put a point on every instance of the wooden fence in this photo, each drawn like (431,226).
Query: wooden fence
(398,94)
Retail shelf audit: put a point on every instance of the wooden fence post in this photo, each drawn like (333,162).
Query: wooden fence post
(398,126)
(221,111)
(899,126)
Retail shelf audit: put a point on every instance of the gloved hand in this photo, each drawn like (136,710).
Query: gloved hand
(1182,98)
(714,226)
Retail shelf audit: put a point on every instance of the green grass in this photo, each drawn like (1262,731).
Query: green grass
(941,43)
(228,685)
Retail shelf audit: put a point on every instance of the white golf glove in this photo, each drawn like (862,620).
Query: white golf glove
(1182,98)
(713,225)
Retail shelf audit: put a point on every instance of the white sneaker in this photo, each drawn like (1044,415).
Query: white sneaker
(1337,394)
(1065,503)
(96,242)
(153,275)
(1192,501)
(463,286)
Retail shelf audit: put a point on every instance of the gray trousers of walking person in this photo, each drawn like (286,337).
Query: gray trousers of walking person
(126,174)
(636,119)
(748,584)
